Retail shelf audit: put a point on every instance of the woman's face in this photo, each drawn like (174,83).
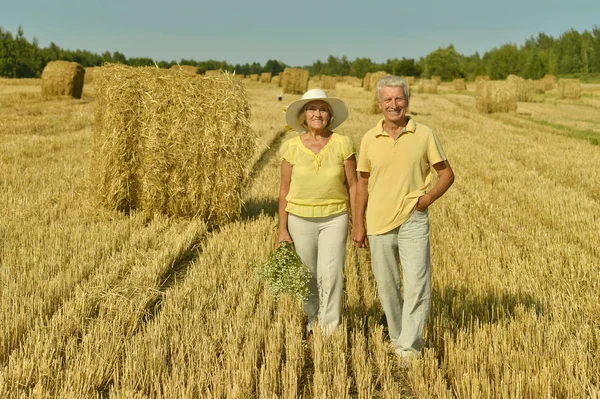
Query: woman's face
(317,115)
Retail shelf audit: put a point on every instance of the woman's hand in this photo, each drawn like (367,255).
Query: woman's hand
(284,235)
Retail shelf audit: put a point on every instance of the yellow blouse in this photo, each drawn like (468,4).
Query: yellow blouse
(318,185)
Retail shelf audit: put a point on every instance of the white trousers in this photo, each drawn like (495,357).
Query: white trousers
(321,244)
(408,245)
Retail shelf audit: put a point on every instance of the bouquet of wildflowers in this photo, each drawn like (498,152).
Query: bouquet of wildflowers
(284,273)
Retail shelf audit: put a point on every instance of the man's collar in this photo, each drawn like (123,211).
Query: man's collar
(411,127)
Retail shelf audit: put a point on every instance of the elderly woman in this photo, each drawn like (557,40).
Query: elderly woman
(318,176)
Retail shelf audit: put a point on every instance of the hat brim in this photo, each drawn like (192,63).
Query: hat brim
(338,109)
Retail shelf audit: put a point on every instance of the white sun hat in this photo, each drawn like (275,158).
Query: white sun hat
(338,109)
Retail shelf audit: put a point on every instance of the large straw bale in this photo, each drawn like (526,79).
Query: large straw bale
(409,79)
(63,78)
(569,89)
(459,84)
(171,143)
(189,69)
(328,82)
(482,78)
(524,89)
(265,77)
(495,96)
(89,74)
(428,86)
(437,78)
(550,81)
(295,80)
(253,77)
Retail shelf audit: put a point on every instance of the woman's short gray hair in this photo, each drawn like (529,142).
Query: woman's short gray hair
(393,81)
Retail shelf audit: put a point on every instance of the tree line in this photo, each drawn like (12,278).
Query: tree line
(572,54)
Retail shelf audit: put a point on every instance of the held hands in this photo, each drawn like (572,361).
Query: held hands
(359,236)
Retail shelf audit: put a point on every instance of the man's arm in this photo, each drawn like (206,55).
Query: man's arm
(359,232)
(445,180)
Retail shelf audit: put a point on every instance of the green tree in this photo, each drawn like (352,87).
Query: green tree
(443,62)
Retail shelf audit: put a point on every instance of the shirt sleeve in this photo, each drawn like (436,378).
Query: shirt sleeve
(435,152)
(348,148)
(363,164)
(285,152)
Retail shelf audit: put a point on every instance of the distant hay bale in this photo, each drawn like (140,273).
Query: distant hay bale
(171,143)
(63,78)
(89,75)
(375,103)
(239,76)
(495,96)
(428,86)
(280,80)
(253,77)
(275,79)
(375,76)
(569,89)
(328,82)
(189,69)
(265,77)
(437,78)
(550,81)
(524,89)
(482,78)
(367,81)
(459,84)
(213,72)
(354,81)
(409,79)
(295,80)
(539,85)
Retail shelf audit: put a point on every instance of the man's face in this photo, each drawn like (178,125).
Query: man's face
(392,103)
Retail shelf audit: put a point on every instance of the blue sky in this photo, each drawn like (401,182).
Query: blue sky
(297,33)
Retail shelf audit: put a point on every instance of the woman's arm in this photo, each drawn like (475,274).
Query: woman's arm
(284,189)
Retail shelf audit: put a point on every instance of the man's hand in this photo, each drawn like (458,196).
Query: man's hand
(424,202)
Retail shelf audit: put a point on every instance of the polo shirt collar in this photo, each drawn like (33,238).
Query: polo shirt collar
(411,127)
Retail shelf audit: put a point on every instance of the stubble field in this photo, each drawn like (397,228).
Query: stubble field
(100,304)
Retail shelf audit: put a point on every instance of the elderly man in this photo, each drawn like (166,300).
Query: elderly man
(396,163)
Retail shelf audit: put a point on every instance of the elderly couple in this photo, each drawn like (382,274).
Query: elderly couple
(319,187)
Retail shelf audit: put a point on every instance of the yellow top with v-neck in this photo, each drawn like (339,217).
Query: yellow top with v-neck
(318,185)
(401,172)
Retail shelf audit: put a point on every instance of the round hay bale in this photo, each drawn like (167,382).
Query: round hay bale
(569,89)
(459,84)
(409,79)
(437,78)
(495,96)
(171,143)
(295,80)
(482,78)
(550,81)
(275,79)
(373,78)
(62,78)
(328,82)
(428,86)
(189,69)
(524,89)
(265,77)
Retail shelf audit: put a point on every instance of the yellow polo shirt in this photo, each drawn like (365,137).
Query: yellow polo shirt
(401,171)
(318,186)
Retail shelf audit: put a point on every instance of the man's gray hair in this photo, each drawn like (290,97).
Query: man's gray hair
(393,81)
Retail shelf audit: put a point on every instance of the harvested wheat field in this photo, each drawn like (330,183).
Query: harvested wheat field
(97,303)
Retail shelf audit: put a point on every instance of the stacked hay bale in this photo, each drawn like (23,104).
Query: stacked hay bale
(428,86)
(437,78)
(295,80)
(62,78)
(189,69)
(569,89)
(373,79)
(171,143)
(550,81)
(523,89)
(328,82)
(265,77)
(459,84)
(495,96)
(482,78)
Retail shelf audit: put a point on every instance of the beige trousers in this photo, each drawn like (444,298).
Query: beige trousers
(321,244)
